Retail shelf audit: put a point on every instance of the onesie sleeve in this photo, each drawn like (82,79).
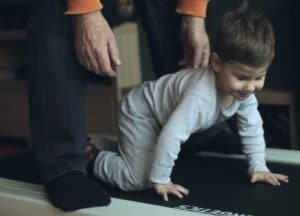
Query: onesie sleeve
(75,7)
(192,7)
(182,122)
(250,128)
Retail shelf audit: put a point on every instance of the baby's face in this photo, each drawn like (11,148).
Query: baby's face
(240,80)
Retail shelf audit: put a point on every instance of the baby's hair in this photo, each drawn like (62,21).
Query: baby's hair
(246,37)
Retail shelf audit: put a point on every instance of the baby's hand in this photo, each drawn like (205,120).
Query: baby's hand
(269,177)
(170,188)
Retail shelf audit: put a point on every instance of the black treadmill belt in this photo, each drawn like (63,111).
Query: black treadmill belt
(218,186)
(222,185)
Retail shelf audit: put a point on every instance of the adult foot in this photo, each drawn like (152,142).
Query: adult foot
(74,190)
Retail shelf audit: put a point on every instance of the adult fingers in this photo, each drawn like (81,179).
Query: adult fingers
(205,57)
(83,60)
(92,59)
(185,60)
(105,62)
(197,57)
(114,52)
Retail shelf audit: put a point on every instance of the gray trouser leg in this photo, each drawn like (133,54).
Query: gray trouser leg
(57,92)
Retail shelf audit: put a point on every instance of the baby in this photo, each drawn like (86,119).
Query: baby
(158,116)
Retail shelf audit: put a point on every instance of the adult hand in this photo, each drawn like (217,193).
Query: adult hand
(196,48)
(269,177)
(95,44)
(170,188)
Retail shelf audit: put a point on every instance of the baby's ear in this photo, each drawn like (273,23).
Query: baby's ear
(216,62)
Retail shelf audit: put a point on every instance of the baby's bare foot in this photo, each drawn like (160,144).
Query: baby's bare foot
(92,151)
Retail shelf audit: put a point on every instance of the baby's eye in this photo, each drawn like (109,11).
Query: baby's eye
(260,78)
(241,77)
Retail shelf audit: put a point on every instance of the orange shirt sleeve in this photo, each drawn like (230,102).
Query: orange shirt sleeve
(82,6)
(192,7)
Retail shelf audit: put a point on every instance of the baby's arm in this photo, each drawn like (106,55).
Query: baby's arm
(175,131)
(250,127)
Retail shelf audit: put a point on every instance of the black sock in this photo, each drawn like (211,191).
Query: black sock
(74,190)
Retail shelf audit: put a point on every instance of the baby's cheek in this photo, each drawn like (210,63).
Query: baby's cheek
(238,86)
(260,86)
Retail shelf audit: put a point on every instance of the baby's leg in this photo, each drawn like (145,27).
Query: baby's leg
(100,143)
(130,167)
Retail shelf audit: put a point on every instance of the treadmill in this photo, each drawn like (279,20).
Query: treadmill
(218,185)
